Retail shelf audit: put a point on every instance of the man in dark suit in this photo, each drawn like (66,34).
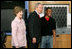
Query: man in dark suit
(34,27)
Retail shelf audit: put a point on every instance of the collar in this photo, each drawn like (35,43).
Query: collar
(18,20)
(47,18)
(37,12)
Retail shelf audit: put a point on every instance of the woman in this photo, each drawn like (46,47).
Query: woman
(18,29)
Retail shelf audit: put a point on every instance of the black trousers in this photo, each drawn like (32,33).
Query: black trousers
(31,45)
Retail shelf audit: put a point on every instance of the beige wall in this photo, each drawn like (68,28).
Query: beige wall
(32,4)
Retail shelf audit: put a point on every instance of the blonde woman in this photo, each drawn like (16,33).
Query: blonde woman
(18,29)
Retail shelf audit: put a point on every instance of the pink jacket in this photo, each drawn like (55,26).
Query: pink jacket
(18,32)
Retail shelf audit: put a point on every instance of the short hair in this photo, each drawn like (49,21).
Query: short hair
(48,8)
(17,9)
(36,5)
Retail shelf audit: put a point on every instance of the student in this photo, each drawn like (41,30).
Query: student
(48,29)
(18,29)
(34,27)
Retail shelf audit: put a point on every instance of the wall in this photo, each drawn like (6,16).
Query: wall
(32,4)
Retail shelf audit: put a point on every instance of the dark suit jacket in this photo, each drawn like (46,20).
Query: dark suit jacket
(34,27)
